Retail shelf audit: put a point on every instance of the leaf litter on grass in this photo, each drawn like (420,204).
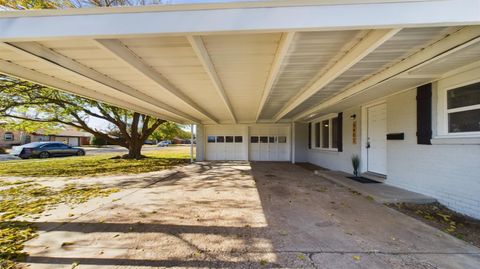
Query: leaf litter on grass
(28,200)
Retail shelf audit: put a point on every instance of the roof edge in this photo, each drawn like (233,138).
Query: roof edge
(192,7)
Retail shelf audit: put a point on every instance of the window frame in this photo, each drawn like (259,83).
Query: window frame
(314,139)
(12,136)
(443,112)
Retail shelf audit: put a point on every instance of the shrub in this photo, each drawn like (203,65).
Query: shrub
(3,151)
(97,141)
(355,164)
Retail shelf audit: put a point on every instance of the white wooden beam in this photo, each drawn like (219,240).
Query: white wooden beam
(40,53)
(450,44)
(123,53)
(282,50)
(21,72)
(199,47)
(246,17)
(369,43)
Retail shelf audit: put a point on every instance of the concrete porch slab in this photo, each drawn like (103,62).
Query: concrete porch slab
(380,192)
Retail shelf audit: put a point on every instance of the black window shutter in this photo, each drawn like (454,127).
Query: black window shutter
(424,114)
(309,135)
(340,132)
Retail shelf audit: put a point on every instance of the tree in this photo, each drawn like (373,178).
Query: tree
(35,4)
(168,131)
(31,102)
(53,4)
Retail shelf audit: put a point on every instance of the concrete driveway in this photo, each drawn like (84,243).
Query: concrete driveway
(240,215)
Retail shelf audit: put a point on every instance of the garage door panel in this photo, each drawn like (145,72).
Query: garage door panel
(273,143)
(226,142)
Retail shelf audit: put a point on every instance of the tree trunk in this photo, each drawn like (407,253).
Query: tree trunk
(134,150)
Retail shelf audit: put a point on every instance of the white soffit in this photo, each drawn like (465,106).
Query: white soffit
(243,63)
(310,54)
(403,44)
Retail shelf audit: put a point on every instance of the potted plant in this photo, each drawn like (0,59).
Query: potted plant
(355,164)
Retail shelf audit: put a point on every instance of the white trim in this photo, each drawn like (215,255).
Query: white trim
(280,55)
(185,7)
(313,136)
(292,145)
(364,131)
(369,43)
(455,140)
(202,53)
(248,17)
(442,112)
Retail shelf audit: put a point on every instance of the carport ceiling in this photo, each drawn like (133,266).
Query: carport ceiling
(245,62)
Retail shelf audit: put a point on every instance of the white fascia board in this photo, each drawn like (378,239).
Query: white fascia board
(384,14)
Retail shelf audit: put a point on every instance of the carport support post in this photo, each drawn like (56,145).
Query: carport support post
(191,143)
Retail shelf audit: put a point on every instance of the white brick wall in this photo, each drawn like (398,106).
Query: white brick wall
(449,173)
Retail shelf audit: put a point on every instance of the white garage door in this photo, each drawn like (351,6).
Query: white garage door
(226,143)
(71,141)
(269,143)
(225,147)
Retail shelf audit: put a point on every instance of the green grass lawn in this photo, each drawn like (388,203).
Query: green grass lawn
(94,165)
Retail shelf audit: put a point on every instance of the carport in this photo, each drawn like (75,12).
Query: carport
(292,81)
(245,73)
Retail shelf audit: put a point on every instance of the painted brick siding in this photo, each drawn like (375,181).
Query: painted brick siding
(450,173)
(339,161)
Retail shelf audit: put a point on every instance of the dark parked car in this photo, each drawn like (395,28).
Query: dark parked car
(46,150)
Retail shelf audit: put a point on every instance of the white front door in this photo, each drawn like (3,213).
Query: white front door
(377,139)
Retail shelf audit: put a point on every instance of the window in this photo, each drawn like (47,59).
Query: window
(211,139)
(238,139)
(263,139)
(62,146)
(317,134)
(254,139)
(271,139)
(229,139)
(220,139)
(326,132)
(282,139)
(463,109)
(49,146)
(8,136)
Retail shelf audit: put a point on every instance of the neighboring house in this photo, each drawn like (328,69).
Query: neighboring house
(11,138)
(70,137)
(395,82)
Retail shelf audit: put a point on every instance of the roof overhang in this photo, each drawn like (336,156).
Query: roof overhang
(265,61)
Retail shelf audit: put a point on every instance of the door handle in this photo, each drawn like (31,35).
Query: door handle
(368,145)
